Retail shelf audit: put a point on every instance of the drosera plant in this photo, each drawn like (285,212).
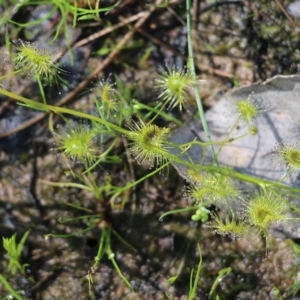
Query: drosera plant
(104,247)
(106,99)
(34,62)
(173,85)
(212,187)
(265,209)
(248,110)
(149,144)
(260,212)
(28,57)
(31,59)
(78,142)
(230,224)
(93,220)
(290,155)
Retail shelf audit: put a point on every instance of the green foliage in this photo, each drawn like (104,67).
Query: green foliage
(174,84)
(148,143)
(296,286)
(9,289)
(248,110)
(277,293)
(105,247)
(212,188)
(201,214)
(14,252)
(65,8)
(266,209)
(230,225)
(34,60)
(194,279)
(77,142)
(290,155)
(107,103)
(221,274)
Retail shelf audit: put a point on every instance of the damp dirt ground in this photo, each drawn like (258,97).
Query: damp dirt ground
(235,43)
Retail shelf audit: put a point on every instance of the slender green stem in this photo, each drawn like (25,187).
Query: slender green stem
(50,123)
(41,89)
(221,274)
(193,71)
(248,178)
(62,221)
(101,157)
(124,241)
(101,249)
(9,288)
(61,110)
(11,74)
(229,133)
(90,211)
(111,256)
(194,283)
(138,106)
(67,184)
(204,144)
(159,112)
(130,185)
(70,234)
(32,23)
(181,210)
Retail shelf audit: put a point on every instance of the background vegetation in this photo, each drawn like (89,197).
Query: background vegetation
(101,199)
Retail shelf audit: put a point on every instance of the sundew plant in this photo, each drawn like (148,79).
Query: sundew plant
(88,139)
